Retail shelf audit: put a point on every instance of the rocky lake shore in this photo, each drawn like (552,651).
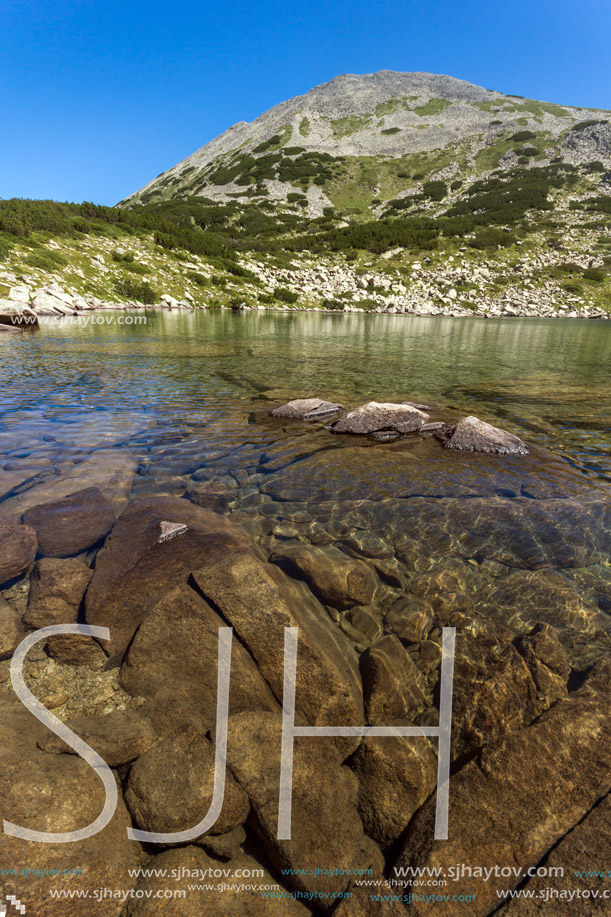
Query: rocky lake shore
(24,307)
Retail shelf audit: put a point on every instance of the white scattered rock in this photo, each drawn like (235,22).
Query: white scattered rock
(169,302)
(47,303)
(20,293)
(169,530)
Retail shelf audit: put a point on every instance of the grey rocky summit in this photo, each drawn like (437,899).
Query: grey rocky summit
(383,114)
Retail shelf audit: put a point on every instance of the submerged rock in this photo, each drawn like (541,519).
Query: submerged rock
(547,660)
(76,649)
(213,495)
(112,470)
(259,601)
(392,683)
(336,579)
(11,630)
(396,775)
(17,549)
(307,409)
(57,794)
(134,570)
(225,846)
(71,525)
(170,786)
(326,827)
(494,694)
(118,737)
(172,663)
(57,586)
(518,799)
(202,901)
(410,618)
(473,435)
(380,416)
(523,599)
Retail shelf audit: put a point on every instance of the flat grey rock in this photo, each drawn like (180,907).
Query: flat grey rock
(306,409)
(380,416)
(473,435)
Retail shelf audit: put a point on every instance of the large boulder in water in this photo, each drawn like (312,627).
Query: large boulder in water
(172,663)
(54,793)
(17,549)
(71,525)
(326,827)
(336,578)
(112,470)
(153,547)
(307,409)
(259,601)
(57,586)
(473,435)
(376,416)
(170,786)
(517,799)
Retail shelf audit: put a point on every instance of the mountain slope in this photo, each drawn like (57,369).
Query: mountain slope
(362,140)
(390,192)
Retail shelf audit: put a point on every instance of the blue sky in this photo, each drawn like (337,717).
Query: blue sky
(99,96)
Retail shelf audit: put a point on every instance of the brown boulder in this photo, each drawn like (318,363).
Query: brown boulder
(326,827)
(224,846)
(136,567)
(335,578)
(546,658)
(410,618)
(396,776)
(205,892)
(172,662)
(57,587)
(48,793)
(392,683)
(517,800)
(169,788)
(11,630)
(494,694)
(76,649)
(71,525)
(260,601)
(17,550)
(118,737)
